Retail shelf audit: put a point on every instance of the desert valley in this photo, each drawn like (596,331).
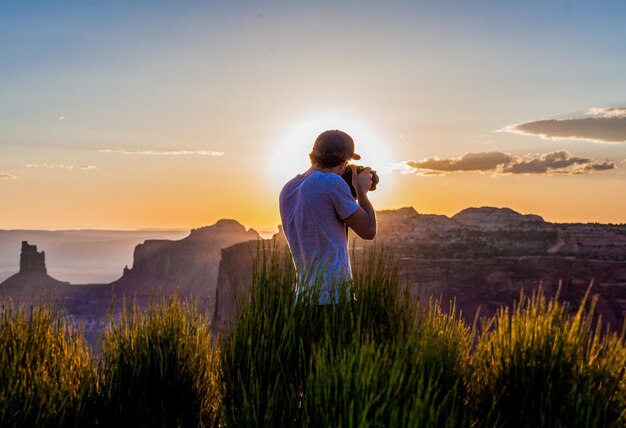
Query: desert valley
(481,257)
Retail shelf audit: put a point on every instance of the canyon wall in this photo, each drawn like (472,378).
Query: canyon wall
(481,258)
(188,266)
(479,262)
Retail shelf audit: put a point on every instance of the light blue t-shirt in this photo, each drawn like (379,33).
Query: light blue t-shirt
(313,206)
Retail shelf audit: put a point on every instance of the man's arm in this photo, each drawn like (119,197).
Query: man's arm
(363,221)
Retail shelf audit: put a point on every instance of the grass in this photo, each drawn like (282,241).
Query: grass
(382,360)
(46,370)
(539,366)
(159,368)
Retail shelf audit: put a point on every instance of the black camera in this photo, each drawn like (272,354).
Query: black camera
(347,176)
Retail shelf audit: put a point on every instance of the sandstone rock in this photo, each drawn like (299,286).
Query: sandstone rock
(32,281)
(479,286)
(490,284)
(496,218)
(188,266)
(31,260)
(235,275)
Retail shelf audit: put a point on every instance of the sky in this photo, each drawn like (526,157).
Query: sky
(174,114)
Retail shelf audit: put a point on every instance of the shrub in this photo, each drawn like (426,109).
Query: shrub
(292,364)
(415,379)
(46,370)
(538,366)
(159,368)
(261,357)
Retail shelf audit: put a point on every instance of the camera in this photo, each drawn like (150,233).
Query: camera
(347,176)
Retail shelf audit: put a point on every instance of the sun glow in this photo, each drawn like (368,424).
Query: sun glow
(291,154)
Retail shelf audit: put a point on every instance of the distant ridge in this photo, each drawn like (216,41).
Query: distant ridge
(492,218)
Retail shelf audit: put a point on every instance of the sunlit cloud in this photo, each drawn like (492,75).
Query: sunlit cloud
(608,125)
(7,176)
(61,166)
(607,111)
(486,161)
(163,152)
(560,162)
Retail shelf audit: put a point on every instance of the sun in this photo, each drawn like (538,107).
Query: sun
(290,155)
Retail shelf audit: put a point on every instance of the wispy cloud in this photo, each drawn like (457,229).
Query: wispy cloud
(162,152)
(608,125)
(560,162)
(7,176)
(60,166)
(607,111)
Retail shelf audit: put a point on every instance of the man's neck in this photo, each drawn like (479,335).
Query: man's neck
(336,169)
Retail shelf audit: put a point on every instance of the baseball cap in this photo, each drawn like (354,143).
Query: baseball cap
(335,142)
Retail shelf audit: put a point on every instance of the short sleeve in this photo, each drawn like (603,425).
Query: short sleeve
(339,194)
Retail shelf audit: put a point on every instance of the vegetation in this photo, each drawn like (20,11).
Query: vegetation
(46,370)
(158,369)
(539,366)
(380,360)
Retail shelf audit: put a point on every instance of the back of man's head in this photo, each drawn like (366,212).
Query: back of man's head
(332,148)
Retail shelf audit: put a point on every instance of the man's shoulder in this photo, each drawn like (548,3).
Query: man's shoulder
(319,177)
(313,178)
(295,181)
(316,181)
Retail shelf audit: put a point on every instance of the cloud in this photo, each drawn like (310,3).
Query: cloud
(470,162)
(607,111)
(7,176)
(162,152)
(608,125)
(560,162)
(60,166)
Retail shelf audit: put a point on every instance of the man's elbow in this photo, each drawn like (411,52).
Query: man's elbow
(369,234)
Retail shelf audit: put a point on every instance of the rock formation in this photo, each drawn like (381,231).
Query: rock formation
(490,284)
(236,271)
(482,258)
(496,218)
(32,280)
(31,260)
(188,266)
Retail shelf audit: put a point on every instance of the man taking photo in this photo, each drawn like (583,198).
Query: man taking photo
(316,208)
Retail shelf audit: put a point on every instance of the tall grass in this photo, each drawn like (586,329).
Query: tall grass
(538,366)
(159,368)
(369,362)
(46,370)
(381,360)
(261,358)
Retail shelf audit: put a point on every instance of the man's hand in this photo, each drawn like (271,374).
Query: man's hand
(363,221)
(361,182)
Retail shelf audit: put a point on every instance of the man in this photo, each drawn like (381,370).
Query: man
(315,208)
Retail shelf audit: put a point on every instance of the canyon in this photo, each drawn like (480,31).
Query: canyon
(481,259)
